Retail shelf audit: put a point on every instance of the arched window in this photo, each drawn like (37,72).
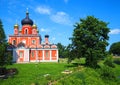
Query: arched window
(32,54)
(26,31)
(33,41)
(47,54)
(21,54)
(14,42)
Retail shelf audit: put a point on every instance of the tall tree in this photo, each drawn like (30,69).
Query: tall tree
(115,48)
(5,56)
(2,33)
(2,44)
(90,40)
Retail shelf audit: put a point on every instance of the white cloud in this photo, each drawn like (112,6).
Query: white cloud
(43,10)
(44,30)
(57,17)
(61,18)
(115,31)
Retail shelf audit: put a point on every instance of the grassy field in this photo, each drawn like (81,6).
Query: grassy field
(50,74)
(34,74)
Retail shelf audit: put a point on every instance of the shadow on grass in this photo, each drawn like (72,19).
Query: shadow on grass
(5,73)
(74,65)
(117,62)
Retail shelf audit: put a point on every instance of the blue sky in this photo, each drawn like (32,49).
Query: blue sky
(57,17)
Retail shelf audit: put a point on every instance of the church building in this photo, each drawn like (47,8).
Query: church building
(27,46)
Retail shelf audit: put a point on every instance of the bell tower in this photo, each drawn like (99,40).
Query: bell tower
(26,25)
(16,29)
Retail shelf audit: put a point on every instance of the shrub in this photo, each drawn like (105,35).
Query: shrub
(106,72)
(109,61)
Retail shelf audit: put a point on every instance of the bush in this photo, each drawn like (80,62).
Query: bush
(106,72)
(109,61)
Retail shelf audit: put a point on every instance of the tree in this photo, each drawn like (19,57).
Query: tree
(90,40)
(115,48)
(4,54)
(2,33)
(61,49)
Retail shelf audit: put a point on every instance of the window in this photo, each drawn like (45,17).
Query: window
(14,42)
(33,41)
(21,54)
(46,54)
(26,31)
(32,54)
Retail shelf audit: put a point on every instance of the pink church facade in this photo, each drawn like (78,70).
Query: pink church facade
(27,46)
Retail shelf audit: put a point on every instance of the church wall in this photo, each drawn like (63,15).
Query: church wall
(15,55)
(21,54)
(24,39)
(47,55)
(28,28)
(40,55)
(13,38)
(54,55)
(26,55)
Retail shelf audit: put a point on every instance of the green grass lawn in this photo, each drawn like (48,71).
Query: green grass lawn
(34,74)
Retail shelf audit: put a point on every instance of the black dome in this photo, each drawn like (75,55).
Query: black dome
(27,20)
(46,36)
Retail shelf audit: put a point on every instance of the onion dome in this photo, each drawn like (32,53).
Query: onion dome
(16,26)
(46,36)
(37,31)
(34,26)
(27,20)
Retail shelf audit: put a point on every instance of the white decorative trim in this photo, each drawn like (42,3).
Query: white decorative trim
(48,61)
(26,55)
(37,56)
(43,55)
(57,55)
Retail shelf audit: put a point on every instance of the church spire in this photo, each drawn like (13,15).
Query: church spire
(27,20)
(27,13)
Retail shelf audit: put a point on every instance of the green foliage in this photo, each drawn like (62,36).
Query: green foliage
(90,40)
(2,33)
(5,56)
(107,73)
(8,58)
(2,53)
(115,48)
(87,77)
(61,49)
(80,61)
(63,60)
(109,61)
